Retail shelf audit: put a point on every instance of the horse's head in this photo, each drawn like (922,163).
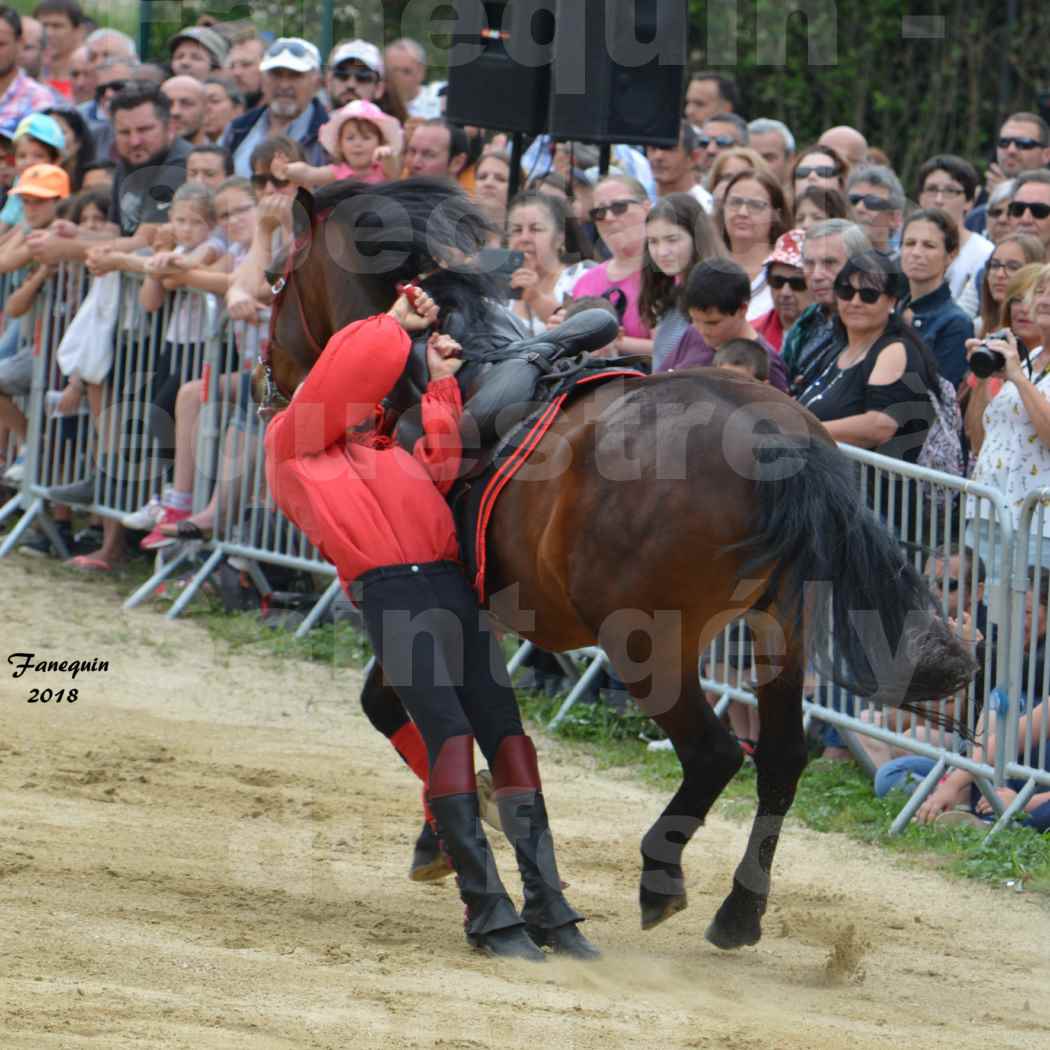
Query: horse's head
(353,244)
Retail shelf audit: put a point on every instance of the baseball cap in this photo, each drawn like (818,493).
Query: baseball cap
(358,51)
(788,249)
(43,181)
(44,129)
(291,52)
(211,41)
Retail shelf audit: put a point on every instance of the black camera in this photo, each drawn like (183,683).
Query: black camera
(985,362)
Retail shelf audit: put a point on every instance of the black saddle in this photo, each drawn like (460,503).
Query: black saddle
(504,371)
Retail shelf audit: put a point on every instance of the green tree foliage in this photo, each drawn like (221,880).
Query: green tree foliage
(914,84)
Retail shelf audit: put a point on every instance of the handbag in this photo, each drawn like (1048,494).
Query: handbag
(87,345)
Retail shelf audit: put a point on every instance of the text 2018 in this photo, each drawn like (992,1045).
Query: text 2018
(45,696)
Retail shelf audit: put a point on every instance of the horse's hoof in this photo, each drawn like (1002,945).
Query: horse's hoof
(429,861)
(565,940)
(659,909)
(727,934)
(738,922)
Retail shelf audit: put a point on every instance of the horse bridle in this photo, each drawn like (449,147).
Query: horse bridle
(274,398)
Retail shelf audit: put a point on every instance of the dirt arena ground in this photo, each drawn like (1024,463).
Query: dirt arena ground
(208,851)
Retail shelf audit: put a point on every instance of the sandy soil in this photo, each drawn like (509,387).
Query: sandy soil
(208,850)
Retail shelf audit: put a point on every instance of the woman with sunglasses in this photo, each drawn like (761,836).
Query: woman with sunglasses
(820,166)
(929,243)
(787,285)
(619,211)
(997,215)
(678,235)
(873,393)
(753,215)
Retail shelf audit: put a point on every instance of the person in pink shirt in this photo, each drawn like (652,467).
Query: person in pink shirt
(619,210)
(364,143)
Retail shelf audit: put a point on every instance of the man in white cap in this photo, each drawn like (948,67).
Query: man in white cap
(291,70)
(355,71)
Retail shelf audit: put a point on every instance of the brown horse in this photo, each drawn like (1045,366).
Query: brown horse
(653,512)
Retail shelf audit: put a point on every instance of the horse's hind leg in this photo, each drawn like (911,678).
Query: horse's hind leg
(779,759)
(710,758)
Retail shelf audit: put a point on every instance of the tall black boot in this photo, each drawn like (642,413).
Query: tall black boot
(493,923)
(549,918)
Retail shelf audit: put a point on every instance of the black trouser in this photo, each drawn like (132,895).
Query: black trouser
(429,634)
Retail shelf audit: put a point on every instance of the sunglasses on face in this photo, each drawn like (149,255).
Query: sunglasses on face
(362,76)
(1018,208)
(778,280)
(261,181)
(846,292)
(997,213)
(1021,143)
(616,207)
(871,201)
(1010,267)
(293,47)
(725,141)
(822,171)
(113,85)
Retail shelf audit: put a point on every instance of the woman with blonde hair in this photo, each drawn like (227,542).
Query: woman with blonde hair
(730,163)
(1011,255)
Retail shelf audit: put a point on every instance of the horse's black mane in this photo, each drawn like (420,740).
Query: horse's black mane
(419,226)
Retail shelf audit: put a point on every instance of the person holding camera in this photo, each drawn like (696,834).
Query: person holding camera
(536,228)
(1014,455)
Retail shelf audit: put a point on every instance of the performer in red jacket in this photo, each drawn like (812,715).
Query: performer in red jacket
(378,514)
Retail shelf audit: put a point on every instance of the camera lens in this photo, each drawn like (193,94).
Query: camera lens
(985,362)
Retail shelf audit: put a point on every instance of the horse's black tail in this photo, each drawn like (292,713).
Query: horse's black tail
(877,633)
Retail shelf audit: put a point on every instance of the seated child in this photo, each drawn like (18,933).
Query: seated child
(745,357)
(717,296)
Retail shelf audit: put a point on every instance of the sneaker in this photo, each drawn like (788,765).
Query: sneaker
(156,540)
(961,817)
(15,474)
(146,518)
(39,545)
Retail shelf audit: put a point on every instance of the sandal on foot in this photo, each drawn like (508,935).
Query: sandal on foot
(186,530)
(89,563)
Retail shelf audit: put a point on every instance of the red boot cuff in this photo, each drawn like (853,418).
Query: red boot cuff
(516,768)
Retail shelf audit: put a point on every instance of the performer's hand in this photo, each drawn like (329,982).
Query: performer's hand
(443,356)
(415,317)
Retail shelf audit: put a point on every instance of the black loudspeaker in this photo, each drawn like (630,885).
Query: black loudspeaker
(500,65)
(618,68)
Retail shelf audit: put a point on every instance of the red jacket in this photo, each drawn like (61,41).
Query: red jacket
(362,502)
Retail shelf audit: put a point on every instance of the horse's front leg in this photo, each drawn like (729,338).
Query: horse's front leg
(710,758)
(779,759)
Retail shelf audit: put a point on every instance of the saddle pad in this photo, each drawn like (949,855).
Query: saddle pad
(474,499)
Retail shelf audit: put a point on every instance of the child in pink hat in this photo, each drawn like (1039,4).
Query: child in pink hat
(363,142)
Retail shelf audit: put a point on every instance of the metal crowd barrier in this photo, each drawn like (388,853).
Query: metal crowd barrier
(249,530)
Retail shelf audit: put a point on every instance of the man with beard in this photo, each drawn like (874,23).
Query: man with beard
(291,71)
(151,166)
(242,64)
(355,70)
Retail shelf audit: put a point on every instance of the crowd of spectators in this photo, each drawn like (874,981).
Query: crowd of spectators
(808,266)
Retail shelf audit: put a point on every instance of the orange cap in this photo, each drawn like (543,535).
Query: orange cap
(44,181)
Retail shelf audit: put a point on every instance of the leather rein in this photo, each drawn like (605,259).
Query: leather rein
(274,398)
